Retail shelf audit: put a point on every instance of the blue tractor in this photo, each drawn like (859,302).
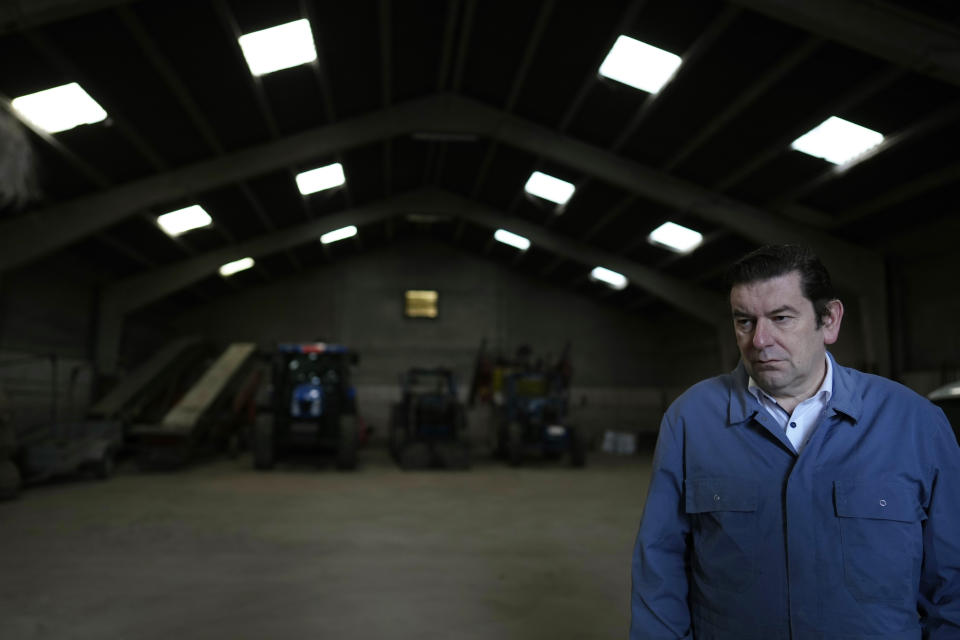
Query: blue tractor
(428,426)
(313,406)
(534,418)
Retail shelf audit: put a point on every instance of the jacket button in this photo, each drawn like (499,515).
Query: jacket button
(883,502)
(716,497)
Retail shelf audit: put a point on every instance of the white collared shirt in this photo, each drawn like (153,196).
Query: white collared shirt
(800,424)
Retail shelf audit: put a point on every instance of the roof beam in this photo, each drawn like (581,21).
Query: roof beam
(17,15)
(42,232)
(900,36)
(137,291)
(29,237)
(700,303)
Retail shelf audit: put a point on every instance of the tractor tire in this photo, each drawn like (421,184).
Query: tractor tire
(461,429)
(9,480)
(348,442)
(8,444)
(514,444)
(398,432)
(578,449)
(232,445)
(264,445)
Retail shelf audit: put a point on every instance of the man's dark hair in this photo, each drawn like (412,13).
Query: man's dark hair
(775,260)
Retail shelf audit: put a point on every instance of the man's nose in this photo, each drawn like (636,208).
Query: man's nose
(761,334)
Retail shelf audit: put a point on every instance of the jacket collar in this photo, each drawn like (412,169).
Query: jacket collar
(844,400)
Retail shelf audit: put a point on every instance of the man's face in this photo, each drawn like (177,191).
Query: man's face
(780,343)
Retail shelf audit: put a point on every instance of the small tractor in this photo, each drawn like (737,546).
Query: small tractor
(312,406)
(428,426)
(530,406)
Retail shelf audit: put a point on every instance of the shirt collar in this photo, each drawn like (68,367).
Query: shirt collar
(845,395)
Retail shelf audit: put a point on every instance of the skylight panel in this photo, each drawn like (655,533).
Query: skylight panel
(339,234)
(610,278)
(236,266)
(59,108)
(837,140)
(320,179)
(512,239)
(280,47)
(639,64)
(549,188)
(183,220)
(676,237)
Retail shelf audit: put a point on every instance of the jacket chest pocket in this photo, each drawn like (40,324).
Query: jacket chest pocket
(723,517)
(882,539)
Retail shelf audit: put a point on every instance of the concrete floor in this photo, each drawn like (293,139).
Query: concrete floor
(221,551)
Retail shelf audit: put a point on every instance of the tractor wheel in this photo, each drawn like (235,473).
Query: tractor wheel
(578,449)
(348,442)
(460,421)
(9,480)
(398,432)
(7,440)
(514,444)
(264,446)
(232,445)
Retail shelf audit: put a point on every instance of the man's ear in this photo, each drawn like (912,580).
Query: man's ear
(831,321)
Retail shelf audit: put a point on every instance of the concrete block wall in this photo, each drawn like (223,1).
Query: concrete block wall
(46,327)
(43,389)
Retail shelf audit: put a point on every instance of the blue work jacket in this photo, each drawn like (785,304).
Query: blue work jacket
(856,537)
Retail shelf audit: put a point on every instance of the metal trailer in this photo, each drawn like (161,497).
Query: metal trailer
(68,447)
(53,449)
(312,407)
(206,418)
(428,427)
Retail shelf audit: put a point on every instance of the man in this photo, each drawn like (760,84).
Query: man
(795,498)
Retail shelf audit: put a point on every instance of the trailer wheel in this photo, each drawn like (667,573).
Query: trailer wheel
(9,480)
(514,444)
(264,452)
(104,467)
(347,445)
(578,449)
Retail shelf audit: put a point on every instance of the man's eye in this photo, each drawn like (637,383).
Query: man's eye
(780,318)
(744,323)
